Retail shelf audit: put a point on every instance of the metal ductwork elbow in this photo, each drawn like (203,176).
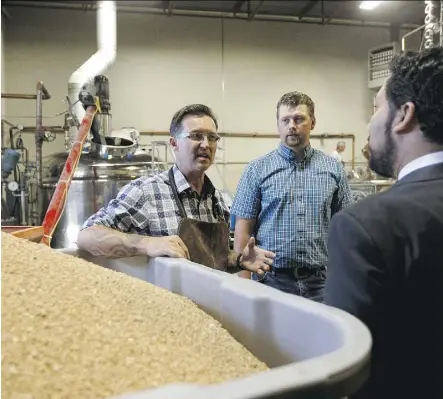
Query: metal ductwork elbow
(99,62)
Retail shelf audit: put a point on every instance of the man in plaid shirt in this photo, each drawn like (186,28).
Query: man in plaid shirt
(286,199)
(145,217)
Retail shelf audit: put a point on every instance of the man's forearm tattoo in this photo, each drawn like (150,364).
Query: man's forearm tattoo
(112,244)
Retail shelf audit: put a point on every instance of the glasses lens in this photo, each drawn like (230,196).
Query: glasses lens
(196,136)
(212,138)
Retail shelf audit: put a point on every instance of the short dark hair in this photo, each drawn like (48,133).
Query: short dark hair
(193,109)
(295,98)
(418,77)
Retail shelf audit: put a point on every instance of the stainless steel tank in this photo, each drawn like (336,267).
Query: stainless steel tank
(98,178)
(362,189)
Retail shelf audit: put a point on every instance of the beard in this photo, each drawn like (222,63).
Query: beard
(382,161)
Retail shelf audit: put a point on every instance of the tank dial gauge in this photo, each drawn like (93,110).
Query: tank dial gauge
(12,186)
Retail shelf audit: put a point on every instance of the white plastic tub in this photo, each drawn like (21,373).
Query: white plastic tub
(315,351)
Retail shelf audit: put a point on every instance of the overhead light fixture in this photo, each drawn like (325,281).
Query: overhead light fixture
(369,5)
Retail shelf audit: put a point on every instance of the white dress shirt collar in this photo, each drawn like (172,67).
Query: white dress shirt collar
(421,162)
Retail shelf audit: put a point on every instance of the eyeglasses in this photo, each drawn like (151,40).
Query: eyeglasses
(197,136)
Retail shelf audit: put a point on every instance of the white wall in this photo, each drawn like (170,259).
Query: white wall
(3,74)
(164,63)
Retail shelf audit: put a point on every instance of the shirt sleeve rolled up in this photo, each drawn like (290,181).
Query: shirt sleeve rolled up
(246,203)
(125,212)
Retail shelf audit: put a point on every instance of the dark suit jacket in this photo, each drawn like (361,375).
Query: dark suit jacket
(386,268)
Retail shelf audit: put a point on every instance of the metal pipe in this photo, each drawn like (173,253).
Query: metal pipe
(21,96)
(274,136)
(7,122)
(152,154)
(441,23)
(353,153)
(55,129)
(258,135)
(121,165)
(39,135)
(45,93)
(25,150)
(3,134)
(223,79)
(29,129)
(218,14)
(99,62)
(11,137)
(11,145)
(67,137)
(24,220)
(403,41)
(333,136)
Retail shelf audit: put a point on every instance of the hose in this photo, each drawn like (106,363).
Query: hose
(58,200)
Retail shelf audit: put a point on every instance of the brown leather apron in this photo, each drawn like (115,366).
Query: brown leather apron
(208,243)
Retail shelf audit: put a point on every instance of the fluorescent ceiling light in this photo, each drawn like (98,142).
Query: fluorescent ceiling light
(369,5)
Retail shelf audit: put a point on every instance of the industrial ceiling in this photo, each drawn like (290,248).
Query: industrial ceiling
(408,14)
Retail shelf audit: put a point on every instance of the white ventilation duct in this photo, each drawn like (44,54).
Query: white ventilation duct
(100,61)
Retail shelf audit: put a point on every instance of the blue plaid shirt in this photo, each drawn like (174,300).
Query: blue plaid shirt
(292,203)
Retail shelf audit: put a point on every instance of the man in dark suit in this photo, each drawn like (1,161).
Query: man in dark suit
(385,261)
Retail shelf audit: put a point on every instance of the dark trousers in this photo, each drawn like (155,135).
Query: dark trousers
(302,281)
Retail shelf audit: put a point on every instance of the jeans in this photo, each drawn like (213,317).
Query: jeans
(286,280)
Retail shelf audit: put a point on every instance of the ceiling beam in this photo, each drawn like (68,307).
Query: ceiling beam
(329,18)
(308,7)
(338,9)
(88,6)
(238,5)
(254,13)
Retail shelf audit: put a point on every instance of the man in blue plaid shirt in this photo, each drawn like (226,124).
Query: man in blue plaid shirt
(286,200)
